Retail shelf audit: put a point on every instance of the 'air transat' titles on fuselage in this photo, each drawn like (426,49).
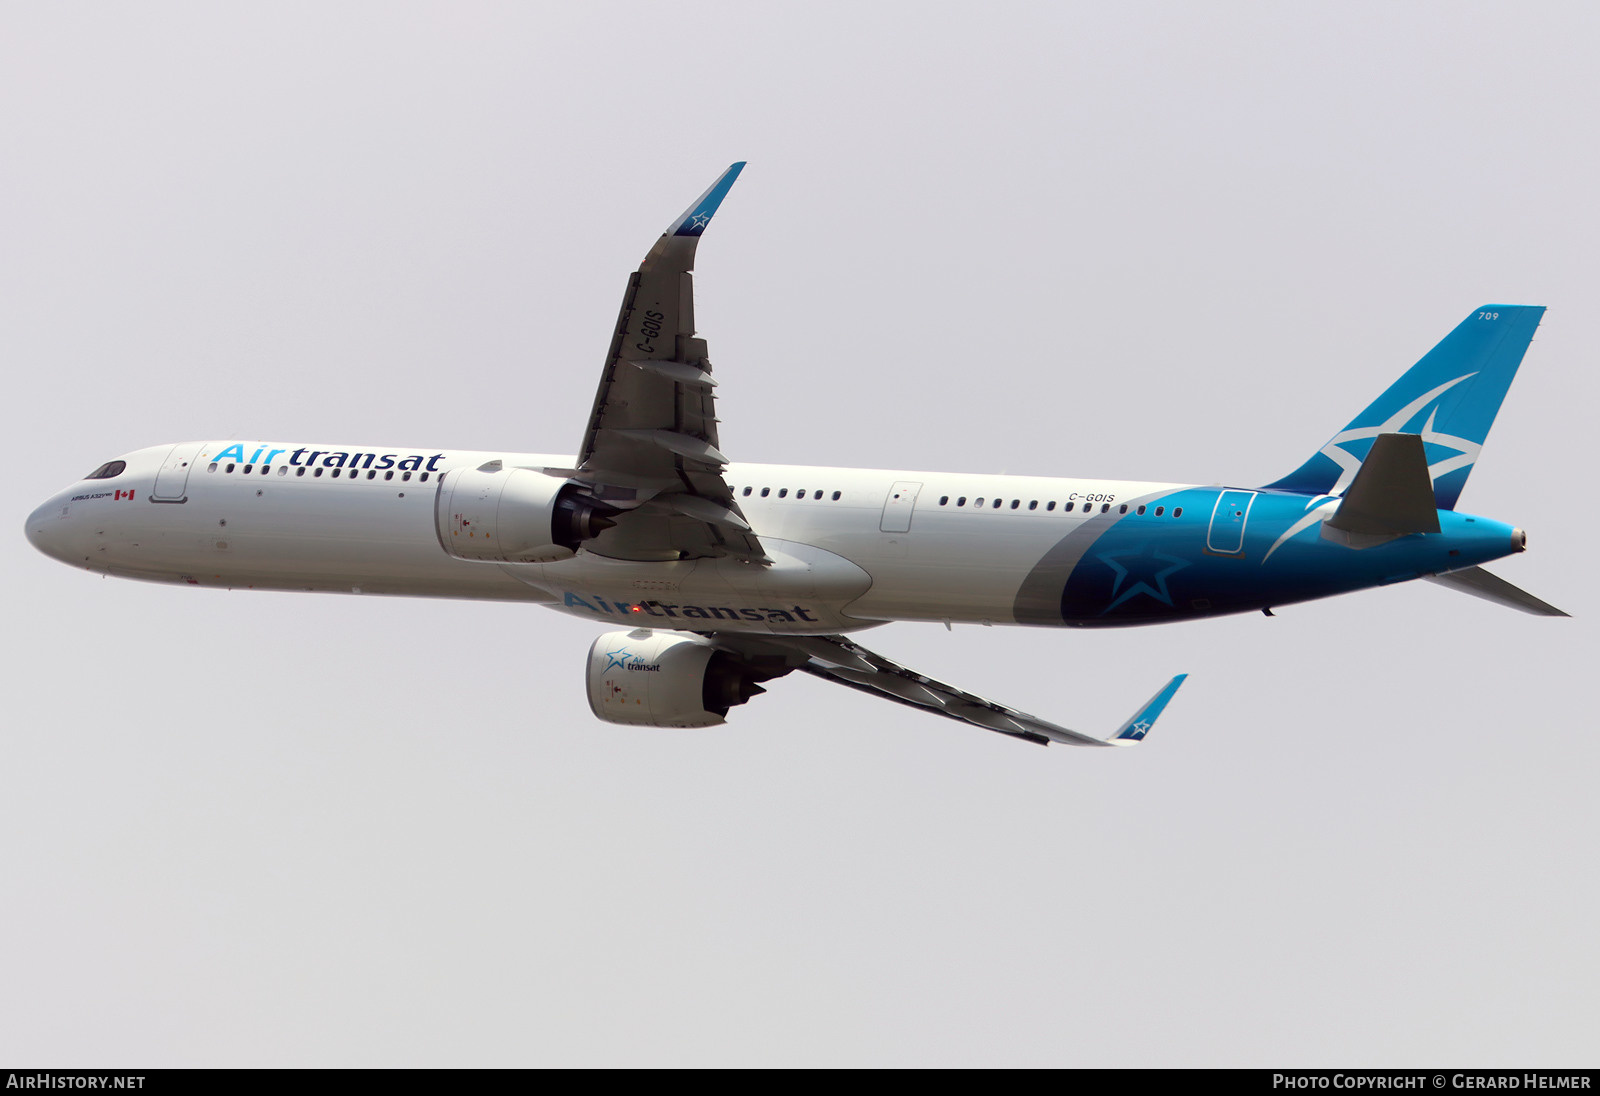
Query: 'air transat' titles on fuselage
(660,609)
(263,456)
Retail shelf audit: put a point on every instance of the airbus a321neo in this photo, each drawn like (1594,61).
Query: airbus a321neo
(715,577)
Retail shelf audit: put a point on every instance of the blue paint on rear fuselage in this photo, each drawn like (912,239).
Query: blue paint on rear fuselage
(1146,569)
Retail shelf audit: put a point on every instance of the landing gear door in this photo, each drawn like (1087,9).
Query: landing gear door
(898,506)
(1228,517)
(172,482)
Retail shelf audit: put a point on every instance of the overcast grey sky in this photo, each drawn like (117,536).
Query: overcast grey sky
(1171,242)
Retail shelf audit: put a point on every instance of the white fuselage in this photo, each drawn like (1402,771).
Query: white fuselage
(850,547)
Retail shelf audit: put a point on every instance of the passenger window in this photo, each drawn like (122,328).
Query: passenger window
(372,475)
(1033,504)
(747,492)
(424,477)
(111,469)
(1177,512)
(1015,503)
(962,501)
(1140,510)
(800,494)
(247,469)
(404,476)
(765,491)
(1105,508)
(1050,505)
(300,471)
(978,502)
(836,496)
(316,473)
(783,492)
(1160,510)
(213,467)
(1069,506)
(389,475)
(996,503)
(1123,509)
(817,495)
(228,469)
(944,500)
(283,469)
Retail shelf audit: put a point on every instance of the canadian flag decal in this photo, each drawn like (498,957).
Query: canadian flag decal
(128,494)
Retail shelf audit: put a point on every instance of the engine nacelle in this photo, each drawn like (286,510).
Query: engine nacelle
(514,515)
(667,679)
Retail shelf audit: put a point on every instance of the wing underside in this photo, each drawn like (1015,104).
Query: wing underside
(841,660)
(651,447)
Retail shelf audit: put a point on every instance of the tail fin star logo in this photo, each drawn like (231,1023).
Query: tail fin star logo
(1466,452)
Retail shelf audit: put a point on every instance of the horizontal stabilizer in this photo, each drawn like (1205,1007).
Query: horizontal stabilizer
(1480,583)
(1391,495)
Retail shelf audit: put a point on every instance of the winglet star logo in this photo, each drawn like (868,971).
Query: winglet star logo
(1139,729)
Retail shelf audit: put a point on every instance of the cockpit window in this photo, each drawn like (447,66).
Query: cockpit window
(111,469)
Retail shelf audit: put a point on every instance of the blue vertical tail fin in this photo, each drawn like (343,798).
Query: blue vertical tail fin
(1450,397)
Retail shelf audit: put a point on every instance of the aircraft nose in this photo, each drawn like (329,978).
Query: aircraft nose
(48,529)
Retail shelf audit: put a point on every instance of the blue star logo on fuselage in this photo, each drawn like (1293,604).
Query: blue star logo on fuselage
(1140,571)
(618,659)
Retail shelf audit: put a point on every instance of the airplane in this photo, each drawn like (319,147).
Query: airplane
(717,577)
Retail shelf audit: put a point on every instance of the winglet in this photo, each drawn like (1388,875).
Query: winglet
(696,217)
(1140,722)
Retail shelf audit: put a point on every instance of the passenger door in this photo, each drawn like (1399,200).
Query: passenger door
(172,481)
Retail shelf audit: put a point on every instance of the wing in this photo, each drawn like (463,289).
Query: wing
(651,448)
(839,659)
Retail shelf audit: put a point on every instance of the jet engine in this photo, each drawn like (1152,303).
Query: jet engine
(669,679)
(515,515)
